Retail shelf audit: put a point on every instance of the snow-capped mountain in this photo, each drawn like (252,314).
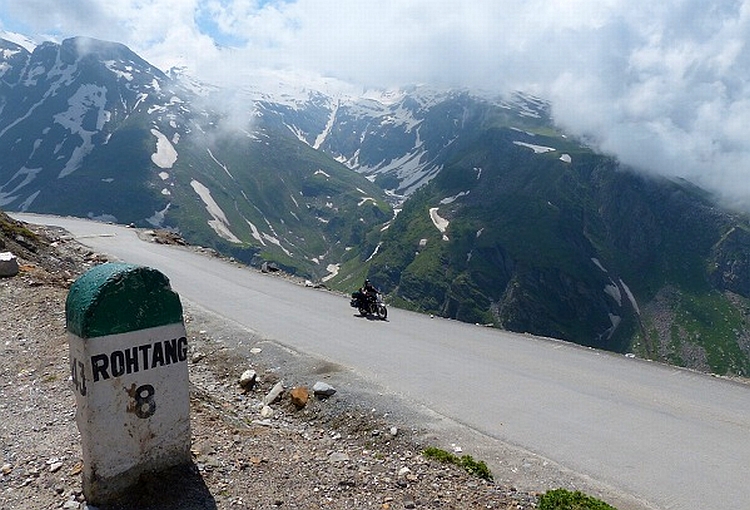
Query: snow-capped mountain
(398,138)
(502,218)
(89,128)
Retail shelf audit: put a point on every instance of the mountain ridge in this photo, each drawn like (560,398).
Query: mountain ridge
(461,204)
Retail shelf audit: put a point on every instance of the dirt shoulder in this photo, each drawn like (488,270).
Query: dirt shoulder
(346,451)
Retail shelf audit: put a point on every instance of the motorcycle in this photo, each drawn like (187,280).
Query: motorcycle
(369,305)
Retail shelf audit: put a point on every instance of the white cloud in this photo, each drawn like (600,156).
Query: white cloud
(662,85)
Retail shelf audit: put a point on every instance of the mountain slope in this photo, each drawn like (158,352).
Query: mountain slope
(502,218)
(90,129)
(568,244)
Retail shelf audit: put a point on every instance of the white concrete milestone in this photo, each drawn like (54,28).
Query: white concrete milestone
(128,355)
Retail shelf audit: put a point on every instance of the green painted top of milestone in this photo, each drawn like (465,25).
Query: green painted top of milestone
(116,298)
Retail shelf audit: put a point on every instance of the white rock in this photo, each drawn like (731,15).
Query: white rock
(8,264)
(248,378)
(266,412)
(274,394)
(338,457)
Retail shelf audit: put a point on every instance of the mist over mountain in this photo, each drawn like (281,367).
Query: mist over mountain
(467,205)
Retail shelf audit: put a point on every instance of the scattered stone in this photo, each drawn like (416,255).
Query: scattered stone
(248,379)
(71,504)
(409,501)
(77,468)
(336,457)
(323,456)
(274,394)
(300,395)
(323,390)
(269,267)
(8,264)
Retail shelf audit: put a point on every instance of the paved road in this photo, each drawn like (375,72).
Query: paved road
(671,438)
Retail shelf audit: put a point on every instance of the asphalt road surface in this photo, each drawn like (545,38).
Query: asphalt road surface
(665,437)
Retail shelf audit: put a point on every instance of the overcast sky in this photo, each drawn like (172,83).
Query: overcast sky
(662,84)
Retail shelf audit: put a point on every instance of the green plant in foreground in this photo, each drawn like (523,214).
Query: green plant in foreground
(562,499)
(476,468)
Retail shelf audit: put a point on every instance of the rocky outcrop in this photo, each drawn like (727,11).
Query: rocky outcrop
(731,262)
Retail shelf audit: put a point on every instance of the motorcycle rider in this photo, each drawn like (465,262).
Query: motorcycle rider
(365,295)
(366,299)
(369,291)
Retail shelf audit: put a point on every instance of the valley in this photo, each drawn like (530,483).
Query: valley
(456,203)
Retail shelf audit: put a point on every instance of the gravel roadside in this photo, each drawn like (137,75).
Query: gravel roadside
(346,451)
(359,448)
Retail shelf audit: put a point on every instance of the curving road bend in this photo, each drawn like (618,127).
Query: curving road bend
(659,437)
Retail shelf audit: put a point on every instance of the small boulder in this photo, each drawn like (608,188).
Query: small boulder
(323,390)
(248,379)
(299,395)
(8,264)
(274,394)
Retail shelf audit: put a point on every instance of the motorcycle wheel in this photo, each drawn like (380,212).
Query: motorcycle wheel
(382,312)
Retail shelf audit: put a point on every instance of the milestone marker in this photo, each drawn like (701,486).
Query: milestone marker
(128,359)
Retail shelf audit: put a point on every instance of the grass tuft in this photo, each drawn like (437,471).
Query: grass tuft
(473,467)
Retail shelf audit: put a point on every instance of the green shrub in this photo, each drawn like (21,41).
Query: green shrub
(473,467)
(561,499)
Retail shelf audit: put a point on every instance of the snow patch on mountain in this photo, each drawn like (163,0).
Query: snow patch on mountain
(631,297)
(598,264)
(21,40)
(126,72)
(301,135)
(27,203)
(85,106)
(440,223)
(219,223)
(327,130)
(613,291)
(166,155)
(565,158)
(222,165)
(411,170)
(255,232)
(450,200)
(157,220)
(538,149)
(27,175)
(333,270)
(273,240)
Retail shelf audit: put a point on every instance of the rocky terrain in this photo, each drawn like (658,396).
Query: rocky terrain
(336,452)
